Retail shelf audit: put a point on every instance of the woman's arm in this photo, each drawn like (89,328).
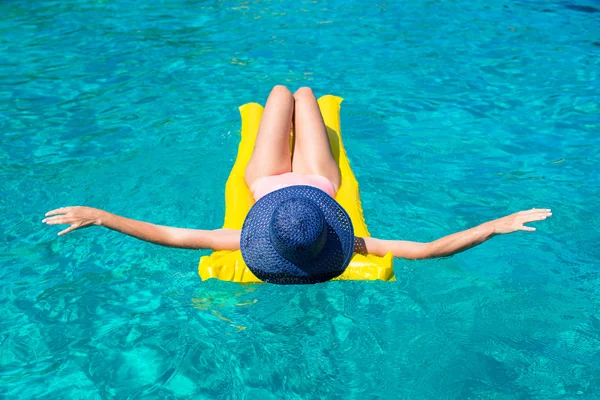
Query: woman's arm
(81,217)
(456,242)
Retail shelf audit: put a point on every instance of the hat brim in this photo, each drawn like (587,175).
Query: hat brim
(269,266)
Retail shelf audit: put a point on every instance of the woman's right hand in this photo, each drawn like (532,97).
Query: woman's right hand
(77,217)
(516,222)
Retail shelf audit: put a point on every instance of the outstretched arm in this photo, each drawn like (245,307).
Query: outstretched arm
(81,217)
(456,242)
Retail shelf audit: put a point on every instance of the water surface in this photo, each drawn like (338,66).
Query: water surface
(455,113)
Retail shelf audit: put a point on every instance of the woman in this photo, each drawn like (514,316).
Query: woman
(295,232)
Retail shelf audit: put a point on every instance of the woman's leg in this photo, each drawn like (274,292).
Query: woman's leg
(271,154)
(312,153)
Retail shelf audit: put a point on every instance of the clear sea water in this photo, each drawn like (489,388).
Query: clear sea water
(455,112)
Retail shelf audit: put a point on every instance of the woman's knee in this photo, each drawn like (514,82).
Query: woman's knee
(304,93)
(280,90)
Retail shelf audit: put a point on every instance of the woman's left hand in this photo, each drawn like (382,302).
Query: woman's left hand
(78,217)
(516,222)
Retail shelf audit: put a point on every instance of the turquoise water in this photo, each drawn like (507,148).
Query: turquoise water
(455,113)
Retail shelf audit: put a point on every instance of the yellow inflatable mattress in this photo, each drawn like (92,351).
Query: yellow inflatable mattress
(229,265)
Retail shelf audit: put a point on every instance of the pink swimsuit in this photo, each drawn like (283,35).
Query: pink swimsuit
(268,184)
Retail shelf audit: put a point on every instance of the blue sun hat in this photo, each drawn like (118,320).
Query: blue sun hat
(297,235)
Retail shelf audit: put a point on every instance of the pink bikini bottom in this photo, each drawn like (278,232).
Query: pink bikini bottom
(268,184)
